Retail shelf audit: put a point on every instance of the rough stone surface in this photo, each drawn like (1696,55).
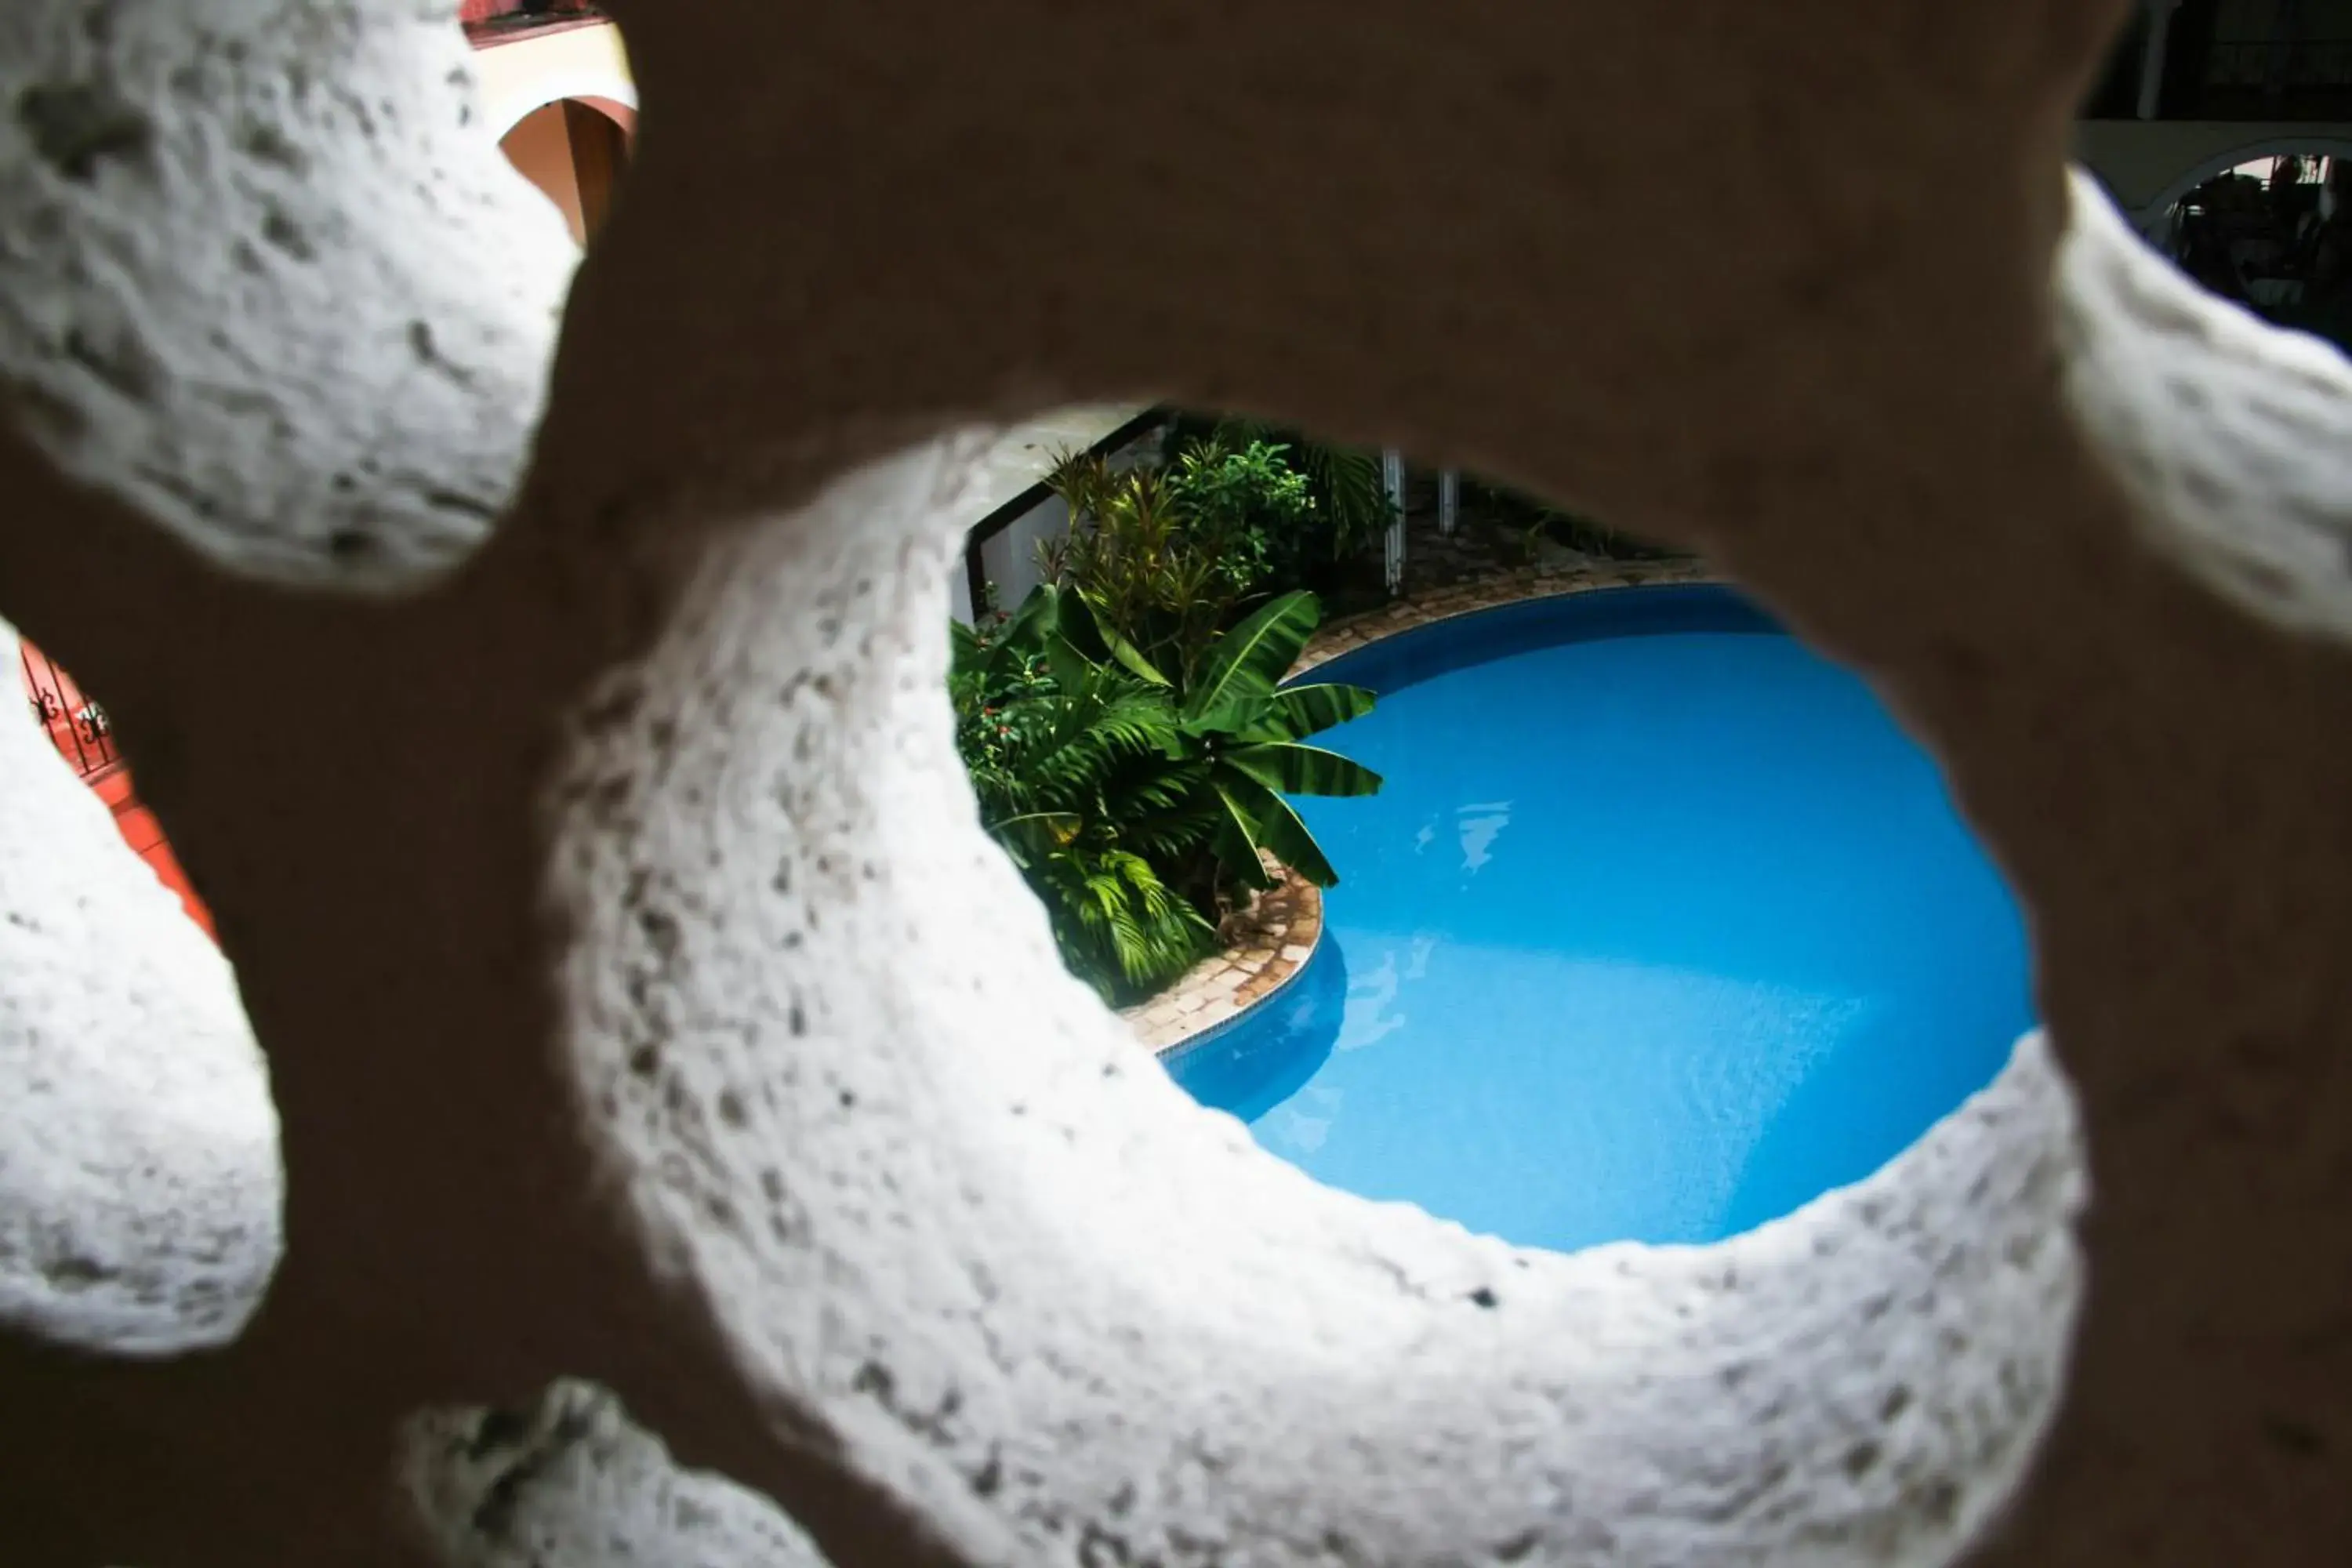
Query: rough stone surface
(570,1481)
(139,1179)
(1071,1245)
(643,1003)
(260,279)
(2223,430)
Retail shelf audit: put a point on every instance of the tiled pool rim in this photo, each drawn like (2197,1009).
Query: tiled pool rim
(1215,982)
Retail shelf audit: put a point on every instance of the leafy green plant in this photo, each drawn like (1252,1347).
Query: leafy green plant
(1247,733)
(1139,801)
(1065,758)
(1237,734)
(1250,499)
(1348,496)
(1163,579)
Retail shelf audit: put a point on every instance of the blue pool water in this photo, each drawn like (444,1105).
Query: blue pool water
(1660,929)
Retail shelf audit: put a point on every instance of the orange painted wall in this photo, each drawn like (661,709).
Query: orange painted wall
(573,149)
(541,150)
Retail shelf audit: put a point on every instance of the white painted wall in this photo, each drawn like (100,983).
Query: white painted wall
(517,77)
(1010,560)
(958,592)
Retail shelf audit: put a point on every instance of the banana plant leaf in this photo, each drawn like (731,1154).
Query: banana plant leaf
(964,651)
(1303,770)
(1092,635)
(1072,671)
(1298,712)
(1273,825)
(1024,636)
(1236,840)
(1132,660)
(1249,661)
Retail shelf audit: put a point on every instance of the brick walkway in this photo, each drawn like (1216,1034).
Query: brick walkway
(1263,947)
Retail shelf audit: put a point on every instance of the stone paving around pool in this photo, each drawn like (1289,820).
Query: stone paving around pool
(1263,947)
(1269,945)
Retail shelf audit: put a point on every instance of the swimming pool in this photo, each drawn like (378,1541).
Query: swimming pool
(1659,929)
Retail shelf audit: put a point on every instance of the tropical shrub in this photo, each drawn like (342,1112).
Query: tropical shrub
(1166,578)
(1232,720)
(1347,498)
(1053,743)
(1250,499)
(1140,801)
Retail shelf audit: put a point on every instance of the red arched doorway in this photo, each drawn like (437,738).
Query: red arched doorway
(575,150)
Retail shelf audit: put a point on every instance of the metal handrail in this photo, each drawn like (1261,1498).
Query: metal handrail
(76,724)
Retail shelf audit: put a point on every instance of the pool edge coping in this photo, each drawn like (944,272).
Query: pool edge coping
(1350,635)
